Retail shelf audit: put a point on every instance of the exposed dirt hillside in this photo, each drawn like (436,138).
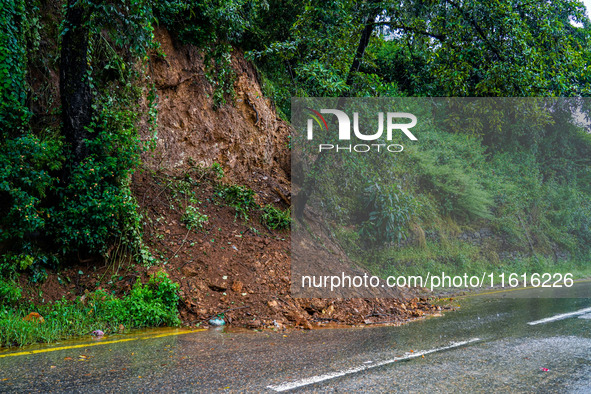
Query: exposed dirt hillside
(242,269)
(245,137)
(236,266)
(231,266)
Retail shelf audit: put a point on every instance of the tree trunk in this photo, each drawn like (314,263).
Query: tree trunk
(310,180)
(363,43)
(75,93)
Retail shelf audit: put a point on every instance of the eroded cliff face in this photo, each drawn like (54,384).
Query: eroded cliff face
(245,137)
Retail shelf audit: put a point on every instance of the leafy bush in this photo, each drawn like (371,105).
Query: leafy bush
(217,170)
(94,212)
(153,304)
(241,198)
(276,219)
(96,206)
(388,211)
(48,200)
(193,218)
(203,22)
(25,166)
(10,293)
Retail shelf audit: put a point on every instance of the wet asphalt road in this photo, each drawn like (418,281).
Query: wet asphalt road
(505,354)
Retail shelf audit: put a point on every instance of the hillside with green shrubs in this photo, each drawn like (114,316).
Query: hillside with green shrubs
(456,202)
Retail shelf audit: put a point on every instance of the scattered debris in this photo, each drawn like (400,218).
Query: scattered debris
(217,322)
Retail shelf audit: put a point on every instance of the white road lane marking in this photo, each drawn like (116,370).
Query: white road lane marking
(320,378)
(560,317)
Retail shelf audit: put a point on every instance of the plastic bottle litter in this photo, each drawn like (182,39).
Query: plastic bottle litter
(216,321)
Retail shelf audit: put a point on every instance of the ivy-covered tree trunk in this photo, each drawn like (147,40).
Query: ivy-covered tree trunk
(76,97)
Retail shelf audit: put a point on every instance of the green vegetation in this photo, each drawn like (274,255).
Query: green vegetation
(193,218)
(458,258)
(150,305)
(213,26)
(67,192)
(217,170)
(241,198)
(387,211)
(276,219)
(421,48)
(454,203)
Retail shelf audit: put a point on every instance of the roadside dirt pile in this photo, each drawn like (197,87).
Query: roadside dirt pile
(238,268)
(241,269)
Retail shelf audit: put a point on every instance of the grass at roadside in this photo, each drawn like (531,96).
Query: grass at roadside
(463,260)
(150,305)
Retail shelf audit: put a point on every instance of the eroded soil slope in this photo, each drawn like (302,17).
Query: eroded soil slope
(244,135)
(230,266)
(242,269)
(234,266)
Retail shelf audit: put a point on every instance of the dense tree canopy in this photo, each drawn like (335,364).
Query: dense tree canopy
(435,48)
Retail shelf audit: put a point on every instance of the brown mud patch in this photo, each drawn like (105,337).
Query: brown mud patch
(237,268)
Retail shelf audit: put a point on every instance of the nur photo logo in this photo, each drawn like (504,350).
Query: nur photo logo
(389,121)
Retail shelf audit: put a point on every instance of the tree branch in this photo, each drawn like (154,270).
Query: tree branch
(440,37)
(478,29)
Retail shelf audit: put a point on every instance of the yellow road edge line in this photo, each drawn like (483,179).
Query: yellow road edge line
(173,333)
(53,349)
